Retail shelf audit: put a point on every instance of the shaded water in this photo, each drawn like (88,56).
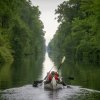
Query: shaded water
(22,72)
(87,76)
(20,76)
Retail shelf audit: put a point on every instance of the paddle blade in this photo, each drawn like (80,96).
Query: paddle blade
(63,59)
(35,84)
(71,78)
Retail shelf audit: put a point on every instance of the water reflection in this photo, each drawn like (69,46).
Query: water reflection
(84,75)
(5,76)
(47,65)
(23,71)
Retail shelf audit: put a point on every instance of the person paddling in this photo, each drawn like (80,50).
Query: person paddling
(51,75)
(56,76)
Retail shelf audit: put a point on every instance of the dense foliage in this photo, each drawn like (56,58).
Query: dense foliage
(78,35)
(21,30)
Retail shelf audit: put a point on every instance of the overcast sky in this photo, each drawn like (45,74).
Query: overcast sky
(47,8)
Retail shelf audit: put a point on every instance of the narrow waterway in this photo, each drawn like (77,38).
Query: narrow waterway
(47,66)
(17,84)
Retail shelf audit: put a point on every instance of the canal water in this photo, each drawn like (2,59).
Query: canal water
(16,81)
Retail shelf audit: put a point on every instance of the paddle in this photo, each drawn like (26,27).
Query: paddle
(61,62)
(35,84)
(71,78)
(48,72)
(63,59)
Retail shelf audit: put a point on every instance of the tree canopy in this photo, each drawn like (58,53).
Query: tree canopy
(21,30)
(77,36)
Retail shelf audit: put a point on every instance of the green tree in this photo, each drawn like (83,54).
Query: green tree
(21,30)
(78,35)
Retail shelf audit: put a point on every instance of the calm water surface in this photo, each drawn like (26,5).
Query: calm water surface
(16,82)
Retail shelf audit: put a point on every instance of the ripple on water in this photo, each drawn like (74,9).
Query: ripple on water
(31,93)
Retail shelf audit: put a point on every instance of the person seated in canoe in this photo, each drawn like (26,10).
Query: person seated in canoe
(56,76)
(51,75)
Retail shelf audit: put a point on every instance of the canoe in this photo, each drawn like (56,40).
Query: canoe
(53,85)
